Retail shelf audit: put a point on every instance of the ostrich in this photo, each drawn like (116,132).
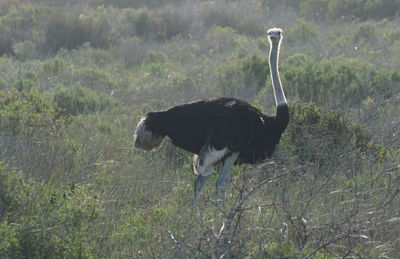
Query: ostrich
(226,130)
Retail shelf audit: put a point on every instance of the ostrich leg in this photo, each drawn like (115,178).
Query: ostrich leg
(223,177)
(198,185)
(203,165)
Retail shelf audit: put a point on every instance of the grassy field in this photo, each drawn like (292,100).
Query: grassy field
(76,77)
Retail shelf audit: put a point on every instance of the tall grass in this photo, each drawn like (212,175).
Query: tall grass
(71,184)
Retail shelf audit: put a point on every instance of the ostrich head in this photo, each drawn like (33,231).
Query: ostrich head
(274,35)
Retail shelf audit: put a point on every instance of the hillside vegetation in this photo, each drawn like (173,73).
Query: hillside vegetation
(76,77)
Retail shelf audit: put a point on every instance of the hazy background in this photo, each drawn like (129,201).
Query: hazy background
(76,76)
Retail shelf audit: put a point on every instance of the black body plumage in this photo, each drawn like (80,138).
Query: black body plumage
(219,123)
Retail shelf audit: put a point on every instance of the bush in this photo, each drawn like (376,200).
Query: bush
(76,100)
(302,31)
(136,3)
(145,24)
(72,30)
(244,77)
(349,9)
(162,26)
(314,9)
(36,220)
(6,45)
(25,112)
(348,82)
(366,31)
(132,51)
(173,23)
(224,17)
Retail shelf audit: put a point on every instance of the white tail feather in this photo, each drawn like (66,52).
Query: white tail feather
(204,163)
(144,138)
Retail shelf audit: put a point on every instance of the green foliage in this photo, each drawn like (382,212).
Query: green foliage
(53,67)
(20,19)
(275,250)
(163,26)
(302,32)
(314,9)
(76,100)
(366,31)
(77,77)
(224,17)
(349,81)
(348,9)
(54,223)
(6,44)
(24,112)
(246,76)
(70,31)
(312,115)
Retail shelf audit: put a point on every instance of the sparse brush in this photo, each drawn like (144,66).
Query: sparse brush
(77,76)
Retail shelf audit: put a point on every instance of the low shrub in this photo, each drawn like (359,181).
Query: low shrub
(38,220)
(76,100)
(26,111)
(71,30)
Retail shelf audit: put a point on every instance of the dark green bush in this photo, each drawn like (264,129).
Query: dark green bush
(145,24)
(174,23)
(302,31)
(244,77)
(349,81)
(76,100)
(36,220)
(25,112)
(366,31)
(317,134)
(21,22)
(6,45)
(164,25)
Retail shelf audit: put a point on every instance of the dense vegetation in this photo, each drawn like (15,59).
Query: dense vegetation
(76,76)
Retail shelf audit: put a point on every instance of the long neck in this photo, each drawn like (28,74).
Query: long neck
(282,111)
(280,98)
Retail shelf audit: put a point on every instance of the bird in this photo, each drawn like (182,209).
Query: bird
(220,130)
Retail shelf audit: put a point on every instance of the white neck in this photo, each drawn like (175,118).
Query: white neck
(280,98)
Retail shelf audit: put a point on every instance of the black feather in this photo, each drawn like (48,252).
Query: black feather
(221,122)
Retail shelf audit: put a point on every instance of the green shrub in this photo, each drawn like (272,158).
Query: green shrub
(302,31)
(39,221)
(22,22)
(76,100)
(245,76)
(316,134)
(132,51)
(347,81)
(25,112)
(53,67)
(137,3)
(314,9)
(362,9)
(366,31)
(225,17)
(71,30)
(348,9)
(145,24)
(6,45)
(173,23)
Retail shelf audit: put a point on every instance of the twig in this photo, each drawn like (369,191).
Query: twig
(186,245)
